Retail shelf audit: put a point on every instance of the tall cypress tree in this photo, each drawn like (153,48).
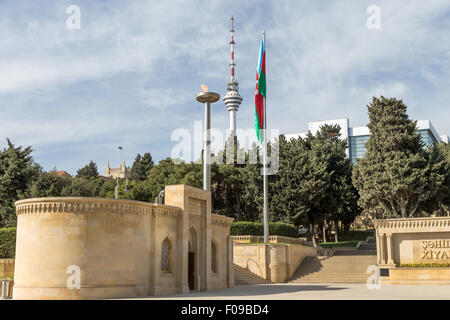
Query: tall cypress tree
(396,171)
(89,170)
(141,166)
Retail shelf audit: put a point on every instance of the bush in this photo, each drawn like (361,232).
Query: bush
(425,265)
(7,243)
(257,229)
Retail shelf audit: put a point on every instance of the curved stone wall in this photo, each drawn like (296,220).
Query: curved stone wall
(108,241)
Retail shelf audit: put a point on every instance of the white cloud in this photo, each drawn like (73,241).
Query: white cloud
(131,72)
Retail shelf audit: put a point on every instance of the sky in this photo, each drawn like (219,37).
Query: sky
(129,75)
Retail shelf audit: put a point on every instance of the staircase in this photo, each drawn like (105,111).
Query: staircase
(244,277)
(347,265)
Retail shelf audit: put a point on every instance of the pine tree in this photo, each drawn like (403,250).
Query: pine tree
(396,172)
(17,170)
(141,166)
(89,170)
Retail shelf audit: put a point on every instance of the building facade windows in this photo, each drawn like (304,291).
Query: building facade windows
(213,257)
(166,256)
(357,147)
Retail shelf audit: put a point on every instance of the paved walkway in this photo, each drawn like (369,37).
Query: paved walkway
(295,291)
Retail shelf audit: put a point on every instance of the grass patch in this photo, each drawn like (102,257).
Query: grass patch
(350,239)
(340,244)
(357,235)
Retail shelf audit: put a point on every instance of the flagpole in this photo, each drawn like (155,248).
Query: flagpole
(265,214)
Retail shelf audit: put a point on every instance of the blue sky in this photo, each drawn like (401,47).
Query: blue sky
(129,76)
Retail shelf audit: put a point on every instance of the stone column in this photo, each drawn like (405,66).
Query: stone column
(230,263)
(380,250)
(181,252)
(153,262)
(207,245)
(389,244)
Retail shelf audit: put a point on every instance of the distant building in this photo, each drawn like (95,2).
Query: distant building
(60,173)
(122,172)
(358,136)
(105,178)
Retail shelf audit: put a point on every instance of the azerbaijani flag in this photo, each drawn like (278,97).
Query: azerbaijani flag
(260,92)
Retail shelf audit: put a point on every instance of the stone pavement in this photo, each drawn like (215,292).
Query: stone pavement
(306,291)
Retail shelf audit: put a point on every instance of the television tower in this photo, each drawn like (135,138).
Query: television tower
(232,99)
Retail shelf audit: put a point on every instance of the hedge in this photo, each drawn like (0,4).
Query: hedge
(425,265)
(7,243)
(257,229)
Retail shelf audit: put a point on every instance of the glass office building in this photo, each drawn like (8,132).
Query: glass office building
(358,136)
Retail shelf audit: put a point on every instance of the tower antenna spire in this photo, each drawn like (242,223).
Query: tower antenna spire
(232,99)
(232,64)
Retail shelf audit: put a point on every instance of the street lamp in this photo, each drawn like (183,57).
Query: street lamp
(117,178)
(125,173)
(207,98)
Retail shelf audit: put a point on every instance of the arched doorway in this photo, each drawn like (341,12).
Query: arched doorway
(192,260)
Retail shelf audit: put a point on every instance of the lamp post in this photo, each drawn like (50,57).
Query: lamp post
(207,98)
(117,178)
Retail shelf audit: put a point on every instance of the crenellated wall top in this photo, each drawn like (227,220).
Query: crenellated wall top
(429,224)
(92,205)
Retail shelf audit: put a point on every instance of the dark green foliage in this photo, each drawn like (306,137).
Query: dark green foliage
(48,184)
(283,229)
(313,185)
(257,229)
(83,186)
(17,170)
(141,166)
(89,170)
(397,173)
(7,243)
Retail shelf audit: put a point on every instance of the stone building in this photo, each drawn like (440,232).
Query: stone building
(122,172)
(90,248)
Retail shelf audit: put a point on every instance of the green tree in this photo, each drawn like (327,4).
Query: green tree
(48,184)
(17,170)
(439,199)
(89,170)
(226,181)
(141,166)
(83,186)
(396,172)
(340,203)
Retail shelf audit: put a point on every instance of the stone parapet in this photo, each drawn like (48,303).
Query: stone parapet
(91,205)
(412,241)
(274,262)
(106,243)
(96,248)
(272,239)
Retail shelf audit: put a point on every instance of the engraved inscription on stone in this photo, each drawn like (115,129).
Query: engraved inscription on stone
(196,206)
(436,250)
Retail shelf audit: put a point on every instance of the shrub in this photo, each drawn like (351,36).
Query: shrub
(7,243)
(257,229)
(425,265)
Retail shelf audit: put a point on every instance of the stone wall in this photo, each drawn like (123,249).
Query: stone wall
(116,246)
(272,239)
(415,242)
(6,268)
(273,262)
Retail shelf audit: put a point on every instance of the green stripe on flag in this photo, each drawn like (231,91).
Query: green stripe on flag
(258,127)
(262,84)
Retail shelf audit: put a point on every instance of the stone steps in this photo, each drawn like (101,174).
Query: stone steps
(243,276)
(344,268)
(335,279)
